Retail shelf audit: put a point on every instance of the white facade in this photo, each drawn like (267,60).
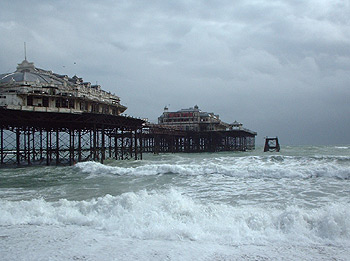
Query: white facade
(34,89)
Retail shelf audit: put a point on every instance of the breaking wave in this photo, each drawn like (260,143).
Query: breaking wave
(170,215)
(251,166)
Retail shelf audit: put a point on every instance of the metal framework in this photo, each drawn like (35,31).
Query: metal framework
(28,138)
(158,139)
(271,144)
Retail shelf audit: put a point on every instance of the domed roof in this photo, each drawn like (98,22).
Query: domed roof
(27,72)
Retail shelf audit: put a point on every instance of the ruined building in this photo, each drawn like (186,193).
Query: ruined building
(194,119)
(32,89)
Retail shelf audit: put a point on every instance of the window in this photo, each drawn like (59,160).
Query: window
(64,103)
(45,101)
(71,104)
(95,108)
(105,110)
(84,105)
(30,101)
(58,103)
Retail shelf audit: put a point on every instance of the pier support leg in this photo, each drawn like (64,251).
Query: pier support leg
(94,143)
(18,141)
(135,142)
(141,143)
(47,148)
(116,144)
(79,145)
(57,147)
(122,145)
(28,154)
(41,145)
(33,145)
(103,149)
(2,146)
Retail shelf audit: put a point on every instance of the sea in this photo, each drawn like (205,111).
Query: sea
(287,205)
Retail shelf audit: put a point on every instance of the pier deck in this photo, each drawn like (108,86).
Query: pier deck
(28,138)
(65,138)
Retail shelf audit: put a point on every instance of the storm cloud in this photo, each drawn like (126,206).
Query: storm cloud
(279,67)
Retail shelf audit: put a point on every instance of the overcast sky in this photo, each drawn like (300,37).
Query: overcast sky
(282,68)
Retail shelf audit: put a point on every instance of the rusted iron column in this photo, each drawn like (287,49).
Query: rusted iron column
(98,148)
(211,142)
(50,146)
(197,141)
(47,148)
(94,142)
(79,145)
(156,146)
(122,145)
(141,143)
(24,144)
(41,144)
(2,146)
(130,143)
(109,145)
(18,141)
(57,147)
(91,144)
(135,143)
(71,147)
(103,152)
(33,145)
(28,154)
(116,144)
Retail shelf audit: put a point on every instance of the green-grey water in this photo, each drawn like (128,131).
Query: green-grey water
(220,203)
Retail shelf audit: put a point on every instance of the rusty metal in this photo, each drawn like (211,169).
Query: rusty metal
(29,138)
(159,139)
(33,138)
(271,144)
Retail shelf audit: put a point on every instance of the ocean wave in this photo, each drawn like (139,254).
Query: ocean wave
(274,166)
(170,215)
(342,147)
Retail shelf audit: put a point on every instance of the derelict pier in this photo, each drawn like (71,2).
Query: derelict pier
(52,119)
(58,138)
(28,138)
(158,139)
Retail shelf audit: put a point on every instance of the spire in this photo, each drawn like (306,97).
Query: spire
(25,66)
(25,51)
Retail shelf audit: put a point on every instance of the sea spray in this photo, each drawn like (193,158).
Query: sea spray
(170,215)
(292,205)
(251,166)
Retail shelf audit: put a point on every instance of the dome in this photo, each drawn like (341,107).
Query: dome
(27,72)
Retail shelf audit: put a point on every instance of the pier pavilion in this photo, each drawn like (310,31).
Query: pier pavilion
(193,130)
(51,118)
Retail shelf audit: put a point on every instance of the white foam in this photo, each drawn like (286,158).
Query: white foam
(251,166)
(83,243)
(169,215)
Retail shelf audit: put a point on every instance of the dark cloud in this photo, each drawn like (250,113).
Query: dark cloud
(280,67)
